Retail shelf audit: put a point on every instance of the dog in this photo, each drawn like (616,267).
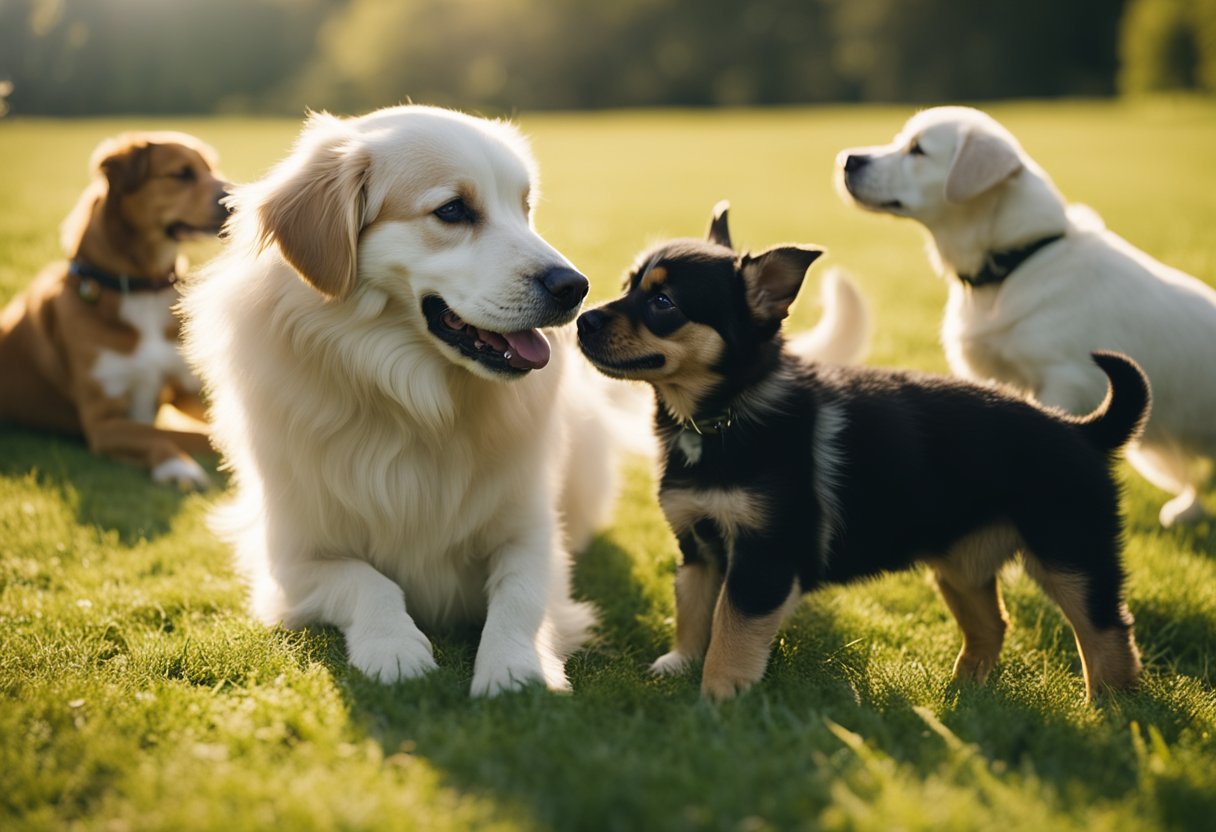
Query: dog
(781,475)
(90,347)
(1036,285)
(387,345)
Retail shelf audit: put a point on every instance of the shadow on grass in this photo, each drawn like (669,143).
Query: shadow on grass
(102,492)
(628,751)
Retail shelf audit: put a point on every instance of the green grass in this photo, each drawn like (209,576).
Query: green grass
(135,693)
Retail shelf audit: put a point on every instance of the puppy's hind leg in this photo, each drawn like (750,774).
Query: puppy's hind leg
(967,579)
(982,618)
(1093,603)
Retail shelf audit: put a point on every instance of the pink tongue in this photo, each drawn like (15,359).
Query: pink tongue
(529,349)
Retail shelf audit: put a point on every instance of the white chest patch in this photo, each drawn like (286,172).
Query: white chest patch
(689,444)
(156,361)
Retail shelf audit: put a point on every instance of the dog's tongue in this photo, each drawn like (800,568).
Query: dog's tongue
(529,349)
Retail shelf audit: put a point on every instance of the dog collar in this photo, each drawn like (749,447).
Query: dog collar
(998,265)
(93,280)
(710,425)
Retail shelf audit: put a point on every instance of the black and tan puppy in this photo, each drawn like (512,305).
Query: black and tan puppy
(782,476)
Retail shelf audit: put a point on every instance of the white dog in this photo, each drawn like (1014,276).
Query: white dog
(401,431)
(1037,285)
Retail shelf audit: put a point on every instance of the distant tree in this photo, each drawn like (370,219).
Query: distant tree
(1168,45)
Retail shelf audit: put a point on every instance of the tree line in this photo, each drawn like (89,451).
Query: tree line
(77,57)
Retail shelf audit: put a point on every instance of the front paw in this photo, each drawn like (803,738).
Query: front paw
(502,671)
(671,664)
(182,472)
(719,684)
(391,653)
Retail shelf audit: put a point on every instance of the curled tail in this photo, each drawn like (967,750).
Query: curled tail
(842,335)
(1123,412)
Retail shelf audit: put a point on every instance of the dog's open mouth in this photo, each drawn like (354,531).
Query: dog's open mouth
(185,231)
(512,353)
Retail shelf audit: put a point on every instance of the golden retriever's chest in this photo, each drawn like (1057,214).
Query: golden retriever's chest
(141,374)
(979,343)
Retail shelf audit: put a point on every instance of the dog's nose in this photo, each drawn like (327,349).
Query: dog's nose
(567,286)
(591,322)
(854,162)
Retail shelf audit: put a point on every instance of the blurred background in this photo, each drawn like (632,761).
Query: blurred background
(91,57)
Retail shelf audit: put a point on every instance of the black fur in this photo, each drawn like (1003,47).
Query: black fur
(907,464)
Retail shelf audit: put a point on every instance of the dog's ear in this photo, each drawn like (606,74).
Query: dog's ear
(314,208)
(719,230)
(772,278)
(983,161)
(123,161)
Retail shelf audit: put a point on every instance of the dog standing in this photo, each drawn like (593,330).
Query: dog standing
(90,348)
(782,476)
(1037,285)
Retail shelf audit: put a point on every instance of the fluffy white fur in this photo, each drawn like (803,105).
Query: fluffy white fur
(968,181)
(386,484)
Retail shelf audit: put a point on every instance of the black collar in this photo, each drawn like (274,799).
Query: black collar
(710,425)
(93,280)
(998,265)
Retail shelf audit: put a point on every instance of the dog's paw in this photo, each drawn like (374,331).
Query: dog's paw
(1183,510)
(671,664)
(513,671)
(718,685)
(391,654)
(182,472)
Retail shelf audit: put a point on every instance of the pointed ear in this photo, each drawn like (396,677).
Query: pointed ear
(719,231)
(314,209)
(772,279)
(983,161)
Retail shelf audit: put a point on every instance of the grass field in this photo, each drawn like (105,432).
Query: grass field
(135,693)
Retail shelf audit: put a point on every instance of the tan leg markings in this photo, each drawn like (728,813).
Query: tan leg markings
(739,646)
(981,616)
(697,585)
(1109,658)
(966,577)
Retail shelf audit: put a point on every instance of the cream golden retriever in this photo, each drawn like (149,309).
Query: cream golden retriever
(413,439)
(1036,285)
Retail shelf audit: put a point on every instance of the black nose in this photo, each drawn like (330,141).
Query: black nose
(852,163)
(591,322)
(567,286)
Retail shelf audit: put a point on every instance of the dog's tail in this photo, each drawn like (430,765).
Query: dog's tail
(1122,414)
(842,335)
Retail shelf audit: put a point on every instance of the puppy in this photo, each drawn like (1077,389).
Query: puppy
(1037,285)
(384,342)
(90,348)
(782,476)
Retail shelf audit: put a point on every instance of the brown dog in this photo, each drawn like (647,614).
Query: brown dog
(90,348)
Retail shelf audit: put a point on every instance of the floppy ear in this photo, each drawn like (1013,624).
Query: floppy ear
(314,212)
(719,232)
(123,161)
(772,278)
(983,161)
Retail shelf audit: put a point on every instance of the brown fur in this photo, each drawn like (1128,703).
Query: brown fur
(739,646)
(128,221)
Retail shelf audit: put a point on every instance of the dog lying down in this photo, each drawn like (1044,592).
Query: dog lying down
(1037,285)
(414,439)
(781,475)
(90,348)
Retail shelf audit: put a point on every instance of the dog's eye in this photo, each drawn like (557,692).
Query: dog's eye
(915,149)
(454,212)
(662,303)
(186,174)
